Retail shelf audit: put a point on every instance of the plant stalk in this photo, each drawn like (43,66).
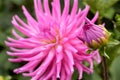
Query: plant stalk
(105,68)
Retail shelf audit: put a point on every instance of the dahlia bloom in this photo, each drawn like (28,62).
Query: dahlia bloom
(50,45)
(95,36)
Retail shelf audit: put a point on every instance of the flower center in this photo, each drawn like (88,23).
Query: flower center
(51,36)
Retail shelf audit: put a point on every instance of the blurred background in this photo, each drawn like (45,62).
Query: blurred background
(109,13)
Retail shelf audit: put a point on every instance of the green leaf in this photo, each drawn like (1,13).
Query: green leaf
(117,17)
(109,13)
(5,65)
(115,69)
(93,76)
(7,77)
(18,2)
(75,75)
(103,6)
(20,77)
(117,23)
(112,50)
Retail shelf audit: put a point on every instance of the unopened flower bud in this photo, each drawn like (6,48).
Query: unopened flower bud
(95,36)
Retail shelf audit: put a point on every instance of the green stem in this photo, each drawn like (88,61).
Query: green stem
(105,68)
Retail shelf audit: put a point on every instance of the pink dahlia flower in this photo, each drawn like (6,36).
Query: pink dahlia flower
(50,46)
